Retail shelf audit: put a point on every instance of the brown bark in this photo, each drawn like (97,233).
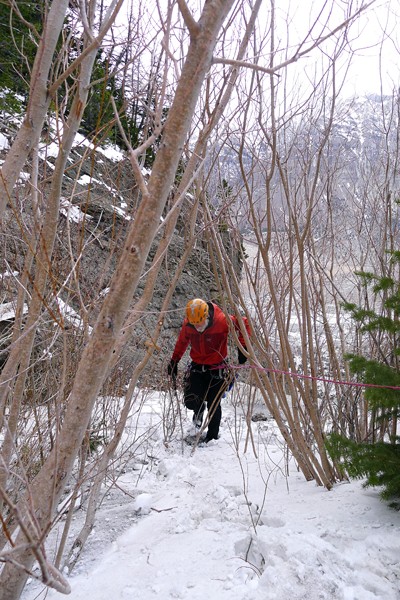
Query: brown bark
(19,358)
(39,101)
(94,365)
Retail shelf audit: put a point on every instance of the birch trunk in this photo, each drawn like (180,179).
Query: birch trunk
(39,101)
(20,356)
(47,487)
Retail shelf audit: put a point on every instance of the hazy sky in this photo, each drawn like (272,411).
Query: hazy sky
(374,37)
(378,49)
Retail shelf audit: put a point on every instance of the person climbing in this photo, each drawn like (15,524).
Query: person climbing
(205,329)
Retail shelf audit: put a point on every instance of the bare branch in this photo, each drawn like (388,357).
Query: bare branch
(85,22)
(96,43)
(297,55)
(244,63)
(190,23)
(134,153)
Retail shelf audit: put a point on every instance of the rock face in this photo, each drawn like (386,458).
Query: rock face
(99,197)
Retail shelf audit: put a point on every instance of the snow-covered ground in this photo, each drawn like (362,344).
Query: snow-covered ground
(217,523)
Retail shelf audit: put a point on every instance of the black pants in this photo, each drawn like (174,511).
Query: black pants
(206,387)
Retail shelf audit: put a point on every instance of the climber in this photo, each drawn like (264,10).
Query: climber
(205,329)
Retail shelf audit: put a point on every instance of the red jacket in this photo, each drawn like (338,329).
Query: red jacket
(211,346)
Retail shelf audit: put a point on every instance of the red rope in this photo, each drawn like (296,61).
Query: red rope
(325,380)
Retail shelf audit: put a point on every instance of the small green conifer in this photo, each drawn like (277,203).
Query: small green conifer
(377,458)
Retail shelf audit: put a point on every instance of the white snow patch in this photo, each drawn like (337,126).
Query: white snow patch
(142,504)
(222,524)
(111,152)
(7,311)
(87,180)
(49,150)
(72,212)
(4,143)
(70,315)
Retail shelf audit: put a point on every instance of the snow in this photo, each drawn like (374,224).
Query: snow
(87,180)
(216,522)
(7,310)
(71,315)
(111,152)
(4,143)
(72,212)
(50,149)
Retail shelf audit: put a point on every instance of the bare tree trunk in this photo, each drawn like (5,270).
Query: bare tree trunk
(94,365)
(41,91)
(39,101)
(19,358)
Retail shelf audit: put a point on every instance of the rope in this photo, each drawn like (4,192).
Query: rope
(323,379)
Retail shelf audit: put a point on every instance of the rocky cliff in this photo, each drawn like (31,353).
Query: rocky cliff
(99,198)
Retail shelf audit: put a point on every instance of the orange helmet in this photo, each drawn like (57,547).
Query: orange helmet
(196,311)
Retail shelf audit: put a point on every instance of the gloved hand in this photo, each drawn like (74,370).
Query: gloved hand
(173,369)
(241,357)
